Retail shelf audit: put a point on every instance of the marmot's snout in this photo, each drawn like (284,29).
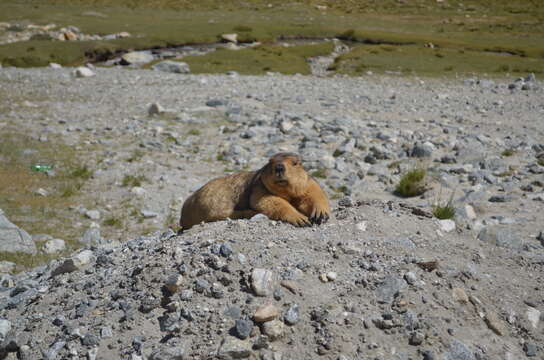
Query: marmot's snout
(280,170)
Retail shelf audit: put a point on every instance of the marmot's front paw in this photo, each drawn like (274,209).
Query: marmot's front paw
(320,215)
(299,220)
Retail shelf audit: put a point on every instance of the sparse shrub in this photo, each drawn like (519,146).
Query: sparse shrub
(540,161)
(319,173)
(81,172)
(508,152)
(133,181)
(135,156)
(194,132)
(114,222)
(412,183)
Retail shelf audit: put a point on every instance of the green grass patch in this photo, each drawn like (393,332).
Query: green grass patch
(132,181)
(509,31)
(422,60)
(444,210)
(508,152)
(412,183)
(113,222)
(259,60)
(193,132)
(38,214)
(81,172)
(319,173)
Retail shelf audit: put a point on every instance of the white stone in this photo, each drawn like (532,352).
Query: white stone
(92,214)
(83,258)
(83,72)
(54,246)
(5,327)
(55,66)
(447,225)
(361,226)
(137,58)
(331,276)
(41,192)
(233,38)
(533,315)
(138,191)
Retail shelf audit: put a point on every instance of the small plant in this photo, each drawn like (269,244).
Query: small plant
(194,132)
(540,161)
(133,181)
(320,173)
(508,152)
(136,155)
(81,172)
(412,183)
(114,222)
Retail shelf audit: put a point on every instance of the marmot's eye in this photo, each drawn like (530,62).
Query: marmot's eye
(296,163)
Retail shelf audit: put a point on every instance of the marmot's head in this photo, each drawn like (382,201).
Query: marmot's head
(284,175)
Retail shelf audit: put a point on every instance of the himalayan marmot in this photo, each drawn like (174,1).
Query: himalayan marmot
(281,190)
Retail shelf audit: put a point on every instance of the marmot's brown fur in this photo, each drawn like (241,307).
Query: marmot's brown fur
(281,190)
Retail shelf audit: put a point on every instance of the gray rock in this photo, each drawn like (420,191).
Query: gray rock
(530,349)
(90,340)
(7,267)
(422,150)
(14,239)
(148,214)
(91,236)
(54,246)
(169,353)
(233,348)
(500,236)
(263,282)
(273,329)
(292,315)
(76,262)
(389,289)
(106,333)
(410,278)
(458,351)
(176,67)
(416,338)
(92,214)
(216,102)
(155,109)
(243,328)
(83,72)
(5,327)
(53,351)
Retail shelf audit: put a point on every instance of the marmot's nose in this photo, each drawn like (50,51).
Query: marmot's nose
(280,168)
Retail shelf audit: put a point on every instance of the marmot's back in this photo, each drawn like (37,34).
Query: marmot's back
(219,199)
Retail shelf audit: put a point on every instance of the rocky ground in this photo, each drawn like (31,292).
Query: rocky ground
(382,280)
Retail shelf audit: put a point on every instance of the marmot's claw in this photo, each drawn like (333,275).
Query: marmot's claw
(320,218)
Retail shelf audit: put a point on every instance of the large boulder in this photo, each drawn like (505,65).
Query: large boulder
(14,239)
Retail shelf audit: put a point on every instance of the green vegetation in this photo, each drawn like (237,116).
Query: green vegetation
(135,155)
(540,161)
(38,214)
(319,173)
(114,222)
(422,36)
(418,59)
(445,210)
(508,152)
(132,181)
(194,132)
(259,60)
(81,172)
(412,183)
